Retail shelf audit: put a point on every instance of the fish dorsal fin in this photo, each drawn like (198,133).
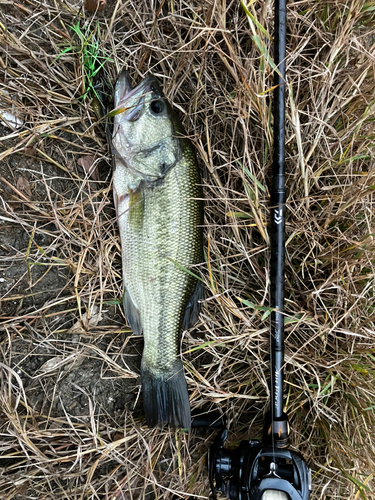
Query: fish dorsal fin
(193,307)
(132,314)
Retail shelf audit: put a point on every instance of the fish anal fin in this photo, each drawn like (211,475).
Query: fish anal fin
(193,307)
(132,314)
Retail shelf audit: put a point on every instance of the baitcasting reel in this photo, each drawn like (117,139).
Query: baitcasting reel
(255,472)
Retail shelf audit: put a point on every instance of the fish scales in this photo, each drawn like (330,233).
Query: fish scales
(158,199)
(158,238)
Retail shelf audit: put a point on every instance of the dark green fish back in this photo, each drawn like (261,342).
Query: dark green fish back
(168,239)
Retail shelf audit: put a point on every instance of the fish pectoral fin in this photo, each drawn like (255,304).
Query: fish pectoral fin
(132,314)
(193,307)
(136,206)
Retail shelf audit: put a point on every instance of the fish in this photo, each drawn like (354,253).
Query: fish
(159,205)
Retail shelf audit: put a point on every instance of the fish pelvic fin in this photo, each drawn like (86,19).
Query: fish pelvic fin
(165,397)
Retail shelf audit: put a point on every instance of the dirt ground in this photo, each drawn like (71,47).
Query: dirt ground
(42,294)
(71,417)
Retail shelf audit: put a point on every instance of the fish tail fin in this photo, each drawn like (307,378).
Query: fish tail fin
(165,397)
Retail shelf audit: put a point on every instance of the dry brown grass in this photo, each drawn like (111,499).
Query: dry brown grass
(213,62)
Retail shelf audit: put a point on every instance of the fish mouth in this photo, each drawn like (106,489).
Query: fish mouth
(133,99)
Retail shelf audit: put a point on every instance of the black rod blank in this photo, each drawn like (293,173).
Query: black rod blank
(278,216)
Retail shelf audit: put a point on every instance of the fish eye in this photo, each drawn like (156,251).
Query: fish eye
(157,107)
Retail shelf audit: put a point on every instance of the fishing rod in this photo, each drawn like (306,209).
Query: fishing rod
(268,471)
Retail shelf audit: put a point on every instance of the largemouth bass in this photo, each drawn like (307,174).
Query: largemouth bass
(158,200)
